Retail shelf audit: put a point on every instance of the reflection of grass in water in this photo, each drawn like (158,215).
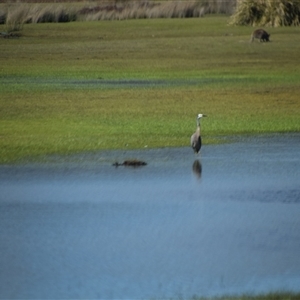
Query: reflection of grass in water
(75,87)
(271,296)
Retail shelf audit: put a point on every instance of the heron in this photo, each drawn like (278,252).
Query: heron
(196,136)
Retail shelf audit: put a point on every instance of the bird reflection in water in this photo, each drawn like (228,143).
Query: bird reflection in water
(197,168)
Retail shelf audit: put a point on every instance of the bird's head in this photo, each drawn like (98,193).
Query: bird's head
(200,116)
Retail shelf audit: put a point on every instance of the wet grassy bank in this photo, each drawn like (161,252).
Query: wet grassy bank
(86,86)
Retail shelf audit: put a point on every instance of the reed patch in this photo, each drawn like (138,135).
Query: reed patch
(21,13)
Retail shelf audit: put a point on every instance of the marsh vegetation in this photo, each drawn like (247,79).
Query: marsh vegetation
(253,12)
(14,15)
(71,87)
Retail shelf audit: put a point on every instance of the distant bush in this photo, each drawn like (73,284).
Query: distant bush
(15,18)
(267,13)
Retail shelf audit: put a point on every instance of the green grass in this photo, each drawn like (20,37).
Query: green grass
(86,86)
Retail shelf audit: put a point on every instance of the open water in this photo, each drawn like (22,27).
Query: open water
(225,222)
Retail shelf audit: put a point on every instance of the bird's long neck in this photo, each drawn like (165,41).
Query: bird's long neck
(198,126)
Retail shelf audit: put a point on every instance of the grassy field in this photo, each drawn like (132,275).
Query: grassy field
(85,86)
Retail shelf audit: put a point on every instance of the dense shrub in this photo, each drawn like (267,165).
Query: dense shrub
(267,13)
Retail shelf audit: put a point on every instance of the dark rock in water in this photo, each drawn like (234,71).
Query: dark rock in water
(131,163)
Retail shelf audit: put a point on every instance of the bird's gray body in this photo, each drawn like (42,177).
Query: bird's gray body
(196,141)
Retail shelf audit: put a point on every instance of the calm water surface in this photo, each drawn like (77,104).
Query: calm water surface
(225,222)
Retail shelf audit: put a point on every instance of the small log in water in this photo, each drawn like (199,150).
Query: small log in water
(131,163)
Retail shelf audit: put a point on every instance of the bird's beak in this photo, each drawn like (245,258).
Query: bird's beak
(205,116)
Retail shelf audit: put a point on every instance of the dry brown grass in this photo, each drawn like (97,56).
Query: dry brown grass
(15,18)
(31,12)
(273,13)
(141,10)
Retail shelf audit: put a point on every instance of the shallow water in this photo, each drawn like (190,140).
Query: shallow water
(22,83)
(225,222)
